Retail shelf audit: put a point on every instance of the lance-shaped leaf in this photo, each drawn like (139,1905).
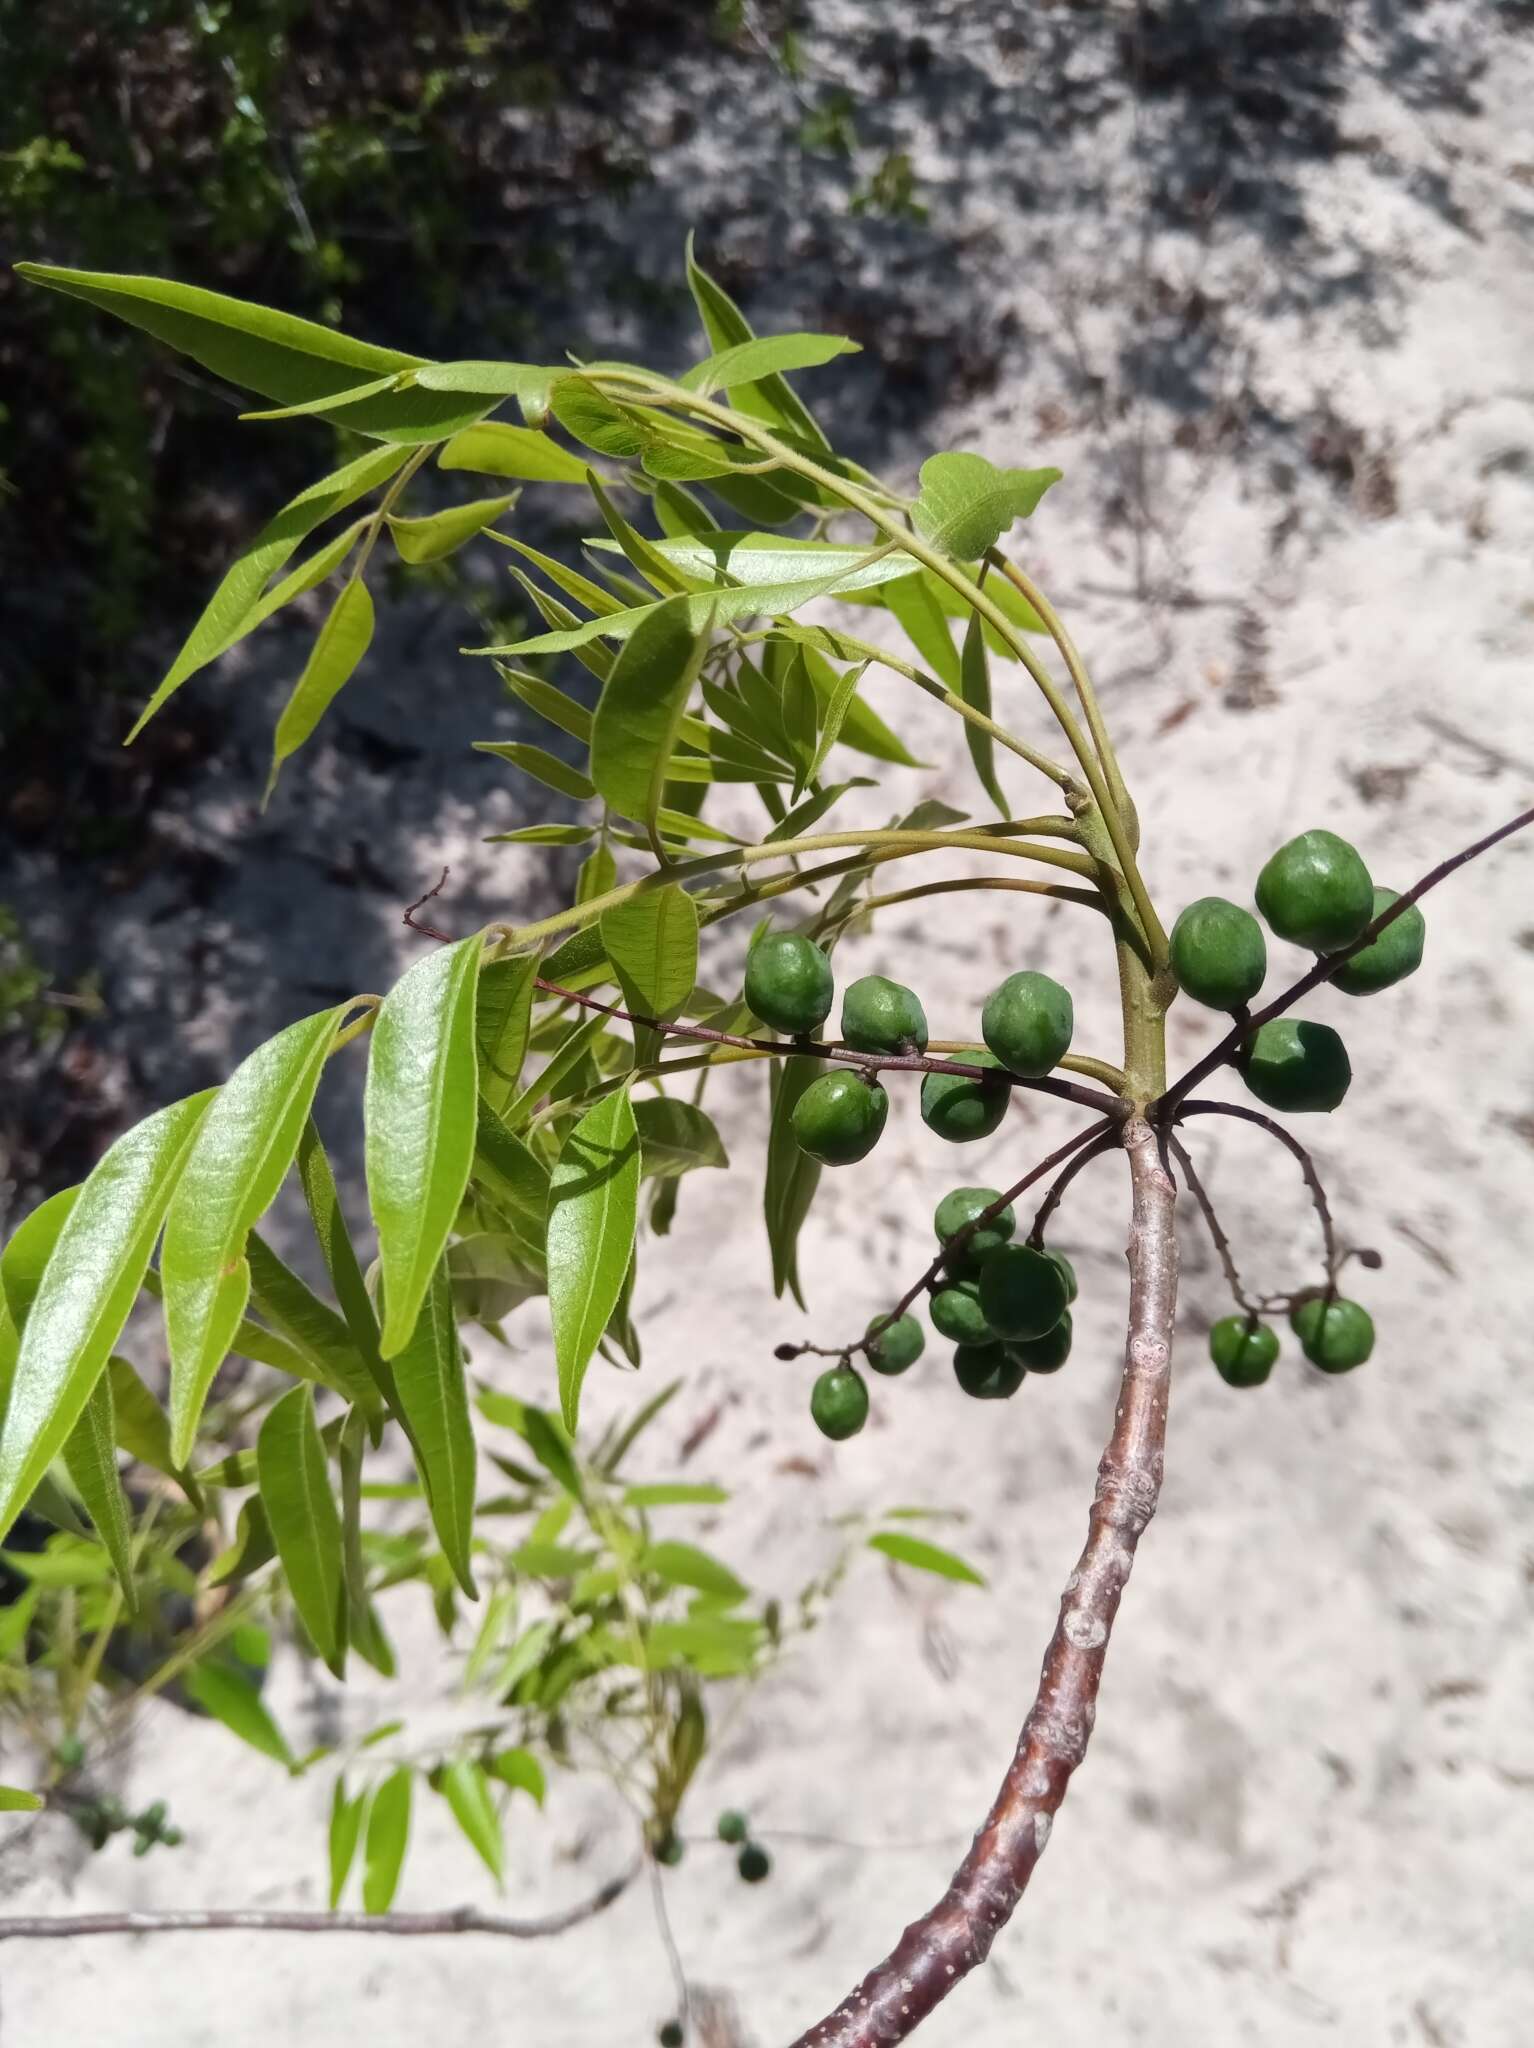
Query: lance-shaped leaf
(27,1252)
(769,355)
(440,534)
(242,1151)
(542,766)
(675,1137)
(642,705)
(341,643)
(388,1834)
(913,600)
(792,1175)
(305,1524)
(307,1339)
(252,1547)
(495,448)
(766,398)
(346,1817)
(514,1179)
(652,942)
(593,1214)
(434,1405)
(342,1264)
(363,1631)
(142,1426)
(419,1111)
(89,1284)
(967,503)
(90,1452)
(975,689)
(229,1696)
(14,1800)
(466,1789)
(924,1557)
(502,1023)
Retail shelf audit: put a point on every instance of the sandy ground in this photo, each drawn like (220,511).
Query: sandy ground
(1306,1814)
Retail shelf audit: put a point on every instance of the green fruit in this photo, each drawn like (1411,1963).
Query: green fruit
(671,2035)
(961,1110)
(753,1863)
(956,1314)
(838,1118)
(1021,1291)
(987,1372)
(1027,1023)
(1067,1272)
(1047,1353)
(670,1850)
(897,1345)
(1335,1335)
(732,1827)
(1243,1350)
(789,984)
(959,1209)
(1290,1064)
(1396,953)
(839,1403)
(881,1016)
(1218,953)
(1316,891)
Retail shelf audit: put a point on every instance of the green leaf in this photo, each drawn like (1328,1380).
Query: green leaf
(715,1646)
(28,1251)
(66,1560)
(526,382)
(312,1341)
(230,1697)
(768,398)
(646,557)
(593,1214)
(792,1176)
(339,646)
(388,1834)
(285,358)
(589,416)
(967,504)
(771,561)
(570,1054)
(503,1007)
(683,1564)
(241,1153)
(859,726)
(772,354)
(12,1800)
(90,1452)
(520,1769)
(89,1284)
(252,1547)
(345,1829)
(560,710)
(396,408)
(652,942)
(440,534)
(543,766)
(569,580)
(975,689)
(913,601)
(674,1493)
(543,1433)
(514,1179)
(143,1428)
(305,1524)
(345,1270)
(801,716)
(496,449)
(675,1137)
(428,1373)
(419,1111)
(924,1557)
(466,1789)
(641,707)
(545,835)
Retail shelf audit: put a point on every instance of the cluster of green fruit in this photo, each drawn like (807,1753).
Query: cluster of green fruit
(1316,892)
(753,1862)
(1004,1306)
(1026,1024)
(1335,1335)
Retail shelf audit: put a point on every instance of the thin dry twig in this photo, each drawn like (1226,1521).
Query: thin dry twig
(1051,1202)
(1292,1145)
(1216,1229)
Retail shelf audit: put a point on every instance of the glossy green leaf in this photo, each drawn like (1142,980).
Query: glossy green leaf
(767,398)
(345,1270)
(253,1546)
(641,708)
(683,1564)
(674,1493)
(142,1426)
(589,416)
(239,1158)
(502,1020)
(924,1557)
(362,1628)
(346,1816)
(593,1215)
(975,689)
(913,600)
(440,534)
(675,1137)
(559,709)
(514,1179)
(746,362)
(651,562)
(305,1524)
(652,942)
(466,1789)
(312,1341)
(677,511)
(520,1769)
(548,1082)
(496,449)
(13,1800)
(398,409)
(792,1175)
(230,1697)
(338,648)
(801,716)
(541,765)
(967,503)
(860,726)
(433,1401)
(526,382)
(388,1835)
(90,1452)
(28,1250)
(420,1115)
(89,1284)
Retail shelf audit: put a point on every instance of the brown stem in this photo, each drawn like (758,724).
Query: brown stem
(950,1940)
(1292,1145)
(260,1920)
(1326,966)
(1217,1234)
(810,1048)
(1056,1195)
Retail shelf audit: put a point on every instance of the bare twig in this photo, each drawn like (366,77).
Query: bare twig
(1165,1110)
(1221,1242)
(1053,1199)
(949,1941)
(1292,1145)
(417,924)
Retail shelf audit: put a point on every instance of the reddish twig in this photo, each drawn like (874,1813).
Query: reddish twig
(428,930)
(949,1941)
(1216,1229)
(1056,1195)
(1165,1110)
(1292,1145)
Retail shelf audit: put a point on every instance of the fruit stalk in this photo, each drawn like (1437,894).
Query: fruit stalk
(945,1944)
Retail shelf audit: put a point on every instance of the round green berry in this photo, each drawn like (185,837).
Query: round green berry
(1047,1353)
(839,1403)
(960,1109)
(838,1119)
(1067,1272)
(1021,1291)
(789,984)
(1388,959)
(1027,1023)
(987,1372)
(1293,1065)
(894,1347)
(958,1209)
(1335,1335)
(1316,892)
(1243,1350)
(1218,953)
(881,1016)
(753,1863)
(670,1850)
(732,1827)
(956,1314)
